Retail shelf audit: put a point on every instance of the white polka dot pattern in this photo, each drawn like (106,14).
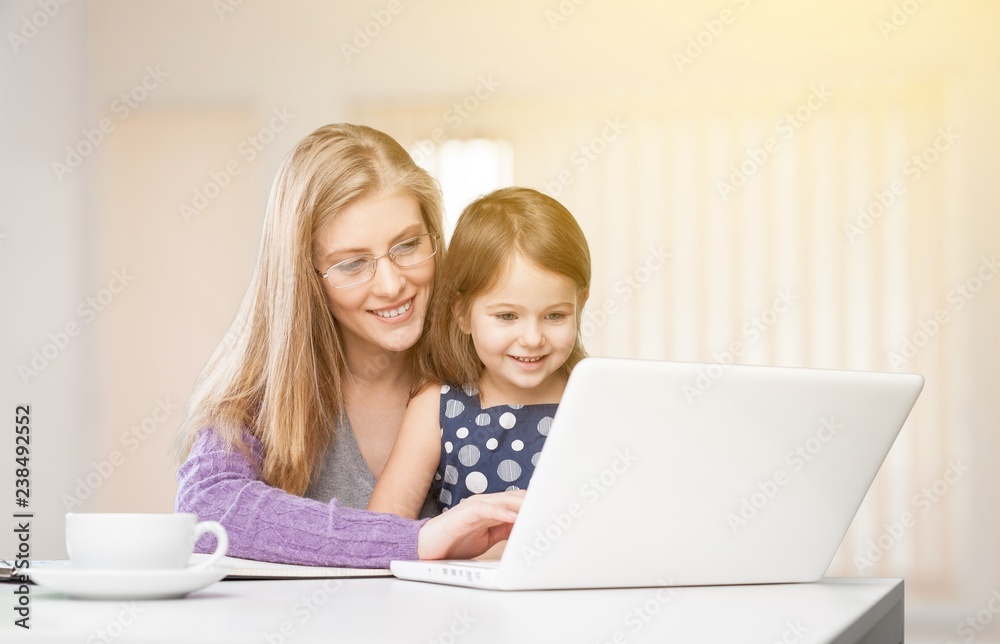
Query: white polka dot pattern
(453,408)
(468,455)
(487,450)
(508,470)
(476,482)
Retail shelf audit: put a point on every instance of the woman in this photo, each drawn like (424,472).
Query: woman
(297,410)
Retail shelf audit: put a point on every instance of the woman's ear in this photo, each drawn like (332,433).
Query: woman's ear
(458,309)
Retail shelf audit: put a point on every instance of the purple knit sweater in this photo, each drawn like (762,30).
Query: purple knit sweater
(268,524)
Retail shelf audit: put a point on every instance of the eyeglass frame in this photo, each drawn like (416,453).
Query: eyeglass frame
(373,260)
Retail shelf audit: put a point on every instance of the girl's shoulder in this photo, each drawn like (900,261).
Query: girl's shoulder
(458,403)
(461,392)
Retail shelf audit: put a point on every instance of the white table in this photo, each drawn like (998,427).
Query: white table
(392,610)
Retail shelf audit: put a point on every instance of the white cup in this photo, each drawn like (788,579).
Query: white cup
(139,541)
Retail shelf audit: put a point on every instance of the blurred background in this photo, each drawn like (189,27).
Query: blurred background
(814,183)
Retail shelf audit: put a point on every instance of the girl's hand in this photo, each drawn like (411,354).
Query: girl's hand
(470,528)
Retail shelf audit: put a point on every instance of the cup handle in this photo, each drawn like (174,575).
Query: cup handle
(222,543)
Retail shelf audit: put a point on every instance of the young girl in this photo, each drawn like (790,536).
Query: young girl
(502,347)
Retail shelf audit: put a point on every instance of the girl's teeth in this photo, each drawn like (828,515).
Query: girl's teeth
(528,359)
(391,313)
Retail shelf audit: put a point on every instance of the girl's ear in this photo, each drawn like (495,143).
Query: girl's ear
(581,298)
(458,309)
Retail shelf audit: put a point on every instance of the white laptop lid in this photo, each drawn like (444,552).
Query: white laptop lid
(664,473)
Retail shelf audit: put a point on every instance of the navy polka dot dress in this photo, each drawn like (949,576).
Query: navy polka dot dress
(487,450)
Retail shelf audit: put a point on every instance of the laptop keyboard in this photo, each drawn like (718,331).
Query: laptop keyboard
(472,564)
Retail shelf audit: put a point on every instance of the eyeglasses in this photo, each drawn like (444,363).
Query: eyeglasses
(358,270)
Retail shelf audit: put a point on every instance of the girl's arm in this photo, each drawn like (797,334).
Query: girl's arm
(406,478)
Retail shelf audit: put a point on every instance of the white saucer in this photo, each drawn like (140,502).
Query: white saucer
(124,584)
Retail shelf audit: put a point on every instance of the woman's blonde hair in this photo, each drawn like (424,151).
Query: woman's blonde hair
(490,232)
(279,371)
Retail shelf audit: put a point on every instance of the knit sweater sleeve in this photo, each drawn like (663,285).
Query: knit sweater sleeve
(268,524)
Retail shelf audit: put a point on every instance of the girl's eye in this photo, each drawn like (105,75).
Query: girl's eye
(506,317)
(556,316)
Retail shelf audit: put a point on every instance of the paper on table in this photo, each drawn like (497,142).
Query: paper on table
(240,569)
(250,569)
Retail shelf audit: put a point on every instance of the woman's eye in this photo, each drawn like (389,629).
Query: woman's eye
(352,266)
(406,247)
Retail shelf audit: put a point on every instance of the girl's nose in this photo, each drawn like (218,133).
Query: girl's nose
(531,335)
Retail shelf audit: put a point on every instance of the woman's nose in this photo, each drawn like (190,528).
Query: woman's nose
(388,279)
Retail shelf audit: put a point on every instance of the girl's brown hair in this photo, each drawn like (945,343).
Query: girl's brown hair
(490,232)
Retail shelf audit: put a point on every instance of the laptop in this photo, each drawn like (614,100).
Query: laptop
(675,474)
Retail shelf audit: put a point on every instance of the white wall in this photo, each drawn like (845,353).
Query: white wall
(46,246)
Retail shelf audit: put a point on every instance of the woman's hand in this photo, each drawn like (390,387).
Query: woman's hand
(470,528)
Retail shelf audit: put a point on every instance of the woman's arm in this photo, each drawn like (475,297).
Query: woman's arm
(265,523)
(403,484)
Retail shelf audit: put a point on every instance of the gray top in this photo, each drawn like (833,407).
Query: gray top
(345,475)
